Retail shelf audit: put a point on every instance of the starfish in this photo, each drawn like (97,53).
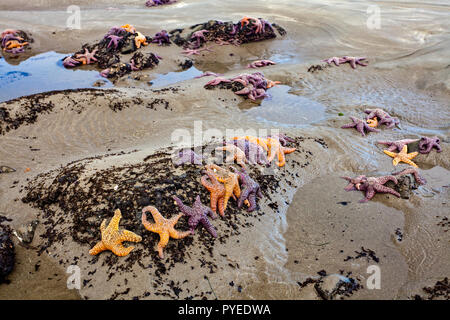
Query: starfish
(246,20)
(354,183)
(256,140)
(216,81)
(402,156)
(373,123)
(271,84)
(419,179)
(198,213)
(11,44)
(217,192)
(190,52)
(235,154)
(354,61)
(275,148)
(10,37)
(254,153)
(208,74)
(87,56)
(257,23)
(427,143)
(373,185)
(359,125)
(140,39)
(113,39)
(105,73)
(383,117)
(188,156)
(112,238)
(336,60)
(260,63)
(129,28)
(229,179)
(164,227)
(198,36)
(69,62)
(116,31)
(250,190)
(397,145)
(161,37)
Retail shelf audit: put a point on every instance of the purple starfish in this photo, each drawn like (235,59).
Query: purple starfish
(354,183)
(15,50)
(216,81)
(337,61)
(208,74)
(69,62)
(260,64)
(397,145)
(383,117)
(250,189)
(116,31)
(114,40)
(161,38)
(284,139)
(354,61)
(199,36)
(152,3)
(187,156)
(427,143)
(373,185)
(197,214)
(190,52)
(10,37)
(359,125)
(254,153)
(419,179)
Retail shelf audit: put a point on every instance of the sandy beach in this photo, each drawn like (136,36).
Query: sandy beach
(81,149)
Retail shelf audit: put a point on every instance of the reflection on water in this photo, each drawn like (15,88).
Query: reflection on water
(41,73)
(284,109)
(174,77)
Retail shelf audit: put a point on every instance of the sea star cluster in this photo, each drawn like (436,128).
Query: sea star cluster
(252,86)
(374,118)
(14,41)
(371,185)
(154,3)
(226,33)
(106,53)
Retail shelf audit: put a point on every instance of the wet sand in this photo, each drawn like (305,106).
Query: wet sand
(306,222)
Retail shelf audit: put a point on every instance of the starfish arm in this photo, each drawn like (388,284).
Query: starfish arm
(410,162)
(289,150)
(99,247)
(155,213)
(183,208)
(103,226)
(163,241)
(211,213)
(384,189)
(370,192)
(179,234)
(390,153)
(209,227)
(259,193)
(384,179)
(350,187)
(173,221)
(360,128)
(412,155)
(121,251)
(130,236)
(114,224)
(204,181)
(395,161)
(147,225)
(350,125)
(369,128)
(244,195)
(237,190)
(252,201)
(220,204)
(281,158)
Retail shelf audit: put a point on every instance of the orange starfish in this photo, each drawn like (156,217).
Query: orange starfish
(129,28)
(402,156)
(217,192)
(229,179)
(236,154)
(140,39)
(15,44)
(275,148)
(259,141)
(271,83)
(112,238)
(164,227)
(373,122)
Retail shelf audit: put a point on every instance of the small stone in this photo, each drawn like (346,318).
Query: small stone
(6,169)
(26,232)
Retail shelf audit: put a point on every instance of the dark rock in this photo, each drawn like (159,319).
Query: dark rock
(7,255)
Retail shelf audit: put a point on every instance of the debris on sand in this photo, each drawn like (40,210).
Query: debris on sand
(7,255)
